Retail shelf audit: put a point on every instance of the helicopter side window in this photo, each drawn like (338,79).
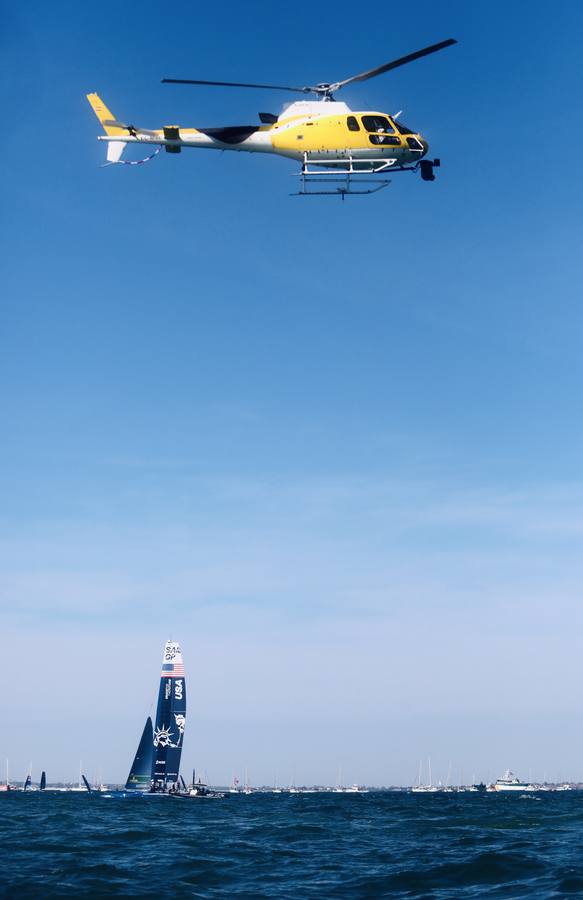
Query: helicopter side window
(385,140)
(378,124)
(352,123)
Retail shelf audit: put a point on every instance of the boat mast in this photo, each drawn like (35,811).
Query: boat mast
(170,719)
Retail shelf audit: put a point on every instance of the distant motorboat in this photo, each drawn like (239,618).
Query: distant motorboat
(198,790)
(510,783)
(235,787)
(197,795)
(477,788)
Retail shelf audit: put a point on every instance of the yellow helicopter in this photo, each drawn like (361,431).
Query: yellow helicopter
(341,151)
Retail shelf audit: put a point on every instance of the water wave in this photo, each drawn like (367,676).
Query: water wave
(375,845)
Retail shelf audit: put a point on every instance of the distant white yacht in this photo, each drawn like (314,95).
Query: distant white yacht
(234,787)
(276,789)
(247,789)
(510,782)
(424,788)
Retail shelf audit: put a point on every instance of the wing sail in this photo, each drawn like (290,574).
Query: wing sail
(140,777)
(170,719)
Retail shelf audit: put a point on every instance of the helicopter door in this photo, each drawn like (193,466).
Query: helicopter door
(380,131)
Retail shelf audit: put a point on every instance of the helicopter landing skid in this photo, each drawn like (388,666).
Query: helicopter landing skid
(341,191)
(356,172)
(343,177)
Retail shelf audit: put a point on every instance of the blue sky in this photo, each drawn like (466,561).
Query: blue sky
(335,449)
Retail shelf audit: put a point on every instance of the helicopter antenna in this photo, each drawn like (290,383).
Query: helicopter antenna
(326,90)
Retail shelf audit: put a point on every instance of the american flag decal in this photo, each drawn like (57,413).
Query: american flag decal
(173,670)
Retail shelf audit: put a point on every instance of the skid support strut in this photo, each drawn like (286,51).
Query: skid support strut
(342,176)
(352,175)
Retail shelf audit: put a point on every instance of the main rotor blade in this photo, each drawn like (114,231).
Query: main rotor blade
(270,87)
(395,63)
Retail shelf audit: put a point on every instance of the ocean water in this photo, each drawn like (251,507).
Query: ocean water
(292,846)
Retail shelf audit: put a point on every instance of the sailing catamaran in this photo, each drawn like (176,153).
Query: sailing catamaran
(156,764)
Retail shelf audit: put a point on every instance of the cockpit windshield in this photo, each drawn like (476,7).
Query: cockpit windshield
(404,129)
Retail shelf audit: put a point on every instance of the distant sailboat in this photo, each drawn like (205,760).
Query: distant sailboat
(170,720)
(425,788)
(234,788)
(6,785)
(80,788)
(43,781)
(247,789)
(140,777)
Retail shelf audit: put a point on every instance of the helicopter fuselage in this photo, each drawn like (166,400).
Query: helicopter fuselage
(305,130)
(316,129)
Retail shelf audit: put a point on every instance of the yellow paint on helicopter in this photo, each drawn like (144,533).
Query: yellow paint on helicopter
(105,115)
(329,133)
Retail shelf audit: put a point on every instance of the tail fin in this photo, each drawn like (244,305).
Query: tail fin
(105,116)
